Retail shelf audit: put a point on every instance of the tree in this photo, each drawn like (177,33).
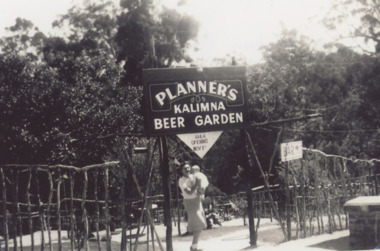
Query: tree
(363,19)
(149,38)
(360,19)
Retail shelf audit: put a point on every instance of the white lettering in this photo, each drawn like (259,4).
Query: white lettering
(170,95)
(181,90)
(212,88)
(222,89)
(169,123)
(160,98)
(232,94)
(217,119)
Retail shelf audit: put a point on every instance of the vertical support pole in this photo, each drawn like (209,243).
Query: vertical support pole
(166,190)
(317,200)
(287,203)
(303,199)
(19,218)
(48,215)
(97,208)
(4,200)
(14,205)
(29,208)
(178,207)
(375,177)
(40,210)
(251,219)
(122,166)
(59,209)
(72,219)
(106,180)
(250,209)
(84,211)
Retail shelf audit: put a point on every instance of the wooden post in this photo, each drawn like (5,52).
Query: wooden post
(97,208)
(303,200)
(72,219)
(317,194)
(266,185)
(14,205)
(106,210)
(4,200)
(375,176)
(40,210)
(250,208)
(295,187)
(29,207)
(251,219)
(123,244)
(166,190)
(19,217)
(178,206)
(51,188)
(287,203)
(84,211)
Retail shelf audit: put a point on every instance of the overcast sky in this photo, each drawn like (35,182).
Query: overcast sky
(235,27)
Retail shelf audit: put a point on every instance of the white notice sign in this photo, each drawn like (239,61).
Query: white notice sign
(201,142)
(291,150)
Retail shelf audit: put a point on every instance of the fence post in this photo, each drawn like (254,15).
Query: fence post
(14,205)
(97,208)
(4,199)
(71,210)
(106,210)
(303,199)
(29,207)
(59,208)
(287,203)
(40,210)
(84,210)
(48,207)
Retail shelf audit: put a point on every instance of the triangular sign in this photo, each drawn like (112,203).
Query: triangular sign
(200,142)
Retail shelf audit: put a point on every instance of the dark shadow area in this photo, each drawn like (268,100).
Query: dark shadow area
(342,243)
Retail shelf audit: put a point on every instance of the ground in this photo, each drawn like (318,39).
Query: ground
(231,236)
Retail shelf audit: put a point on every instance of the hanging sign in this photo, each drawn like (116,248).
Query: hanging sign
(192,100)
(201,142)
(291,150)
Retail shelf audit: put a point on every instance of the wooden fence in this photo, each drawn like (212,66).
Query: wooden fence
(47,202)
(45,199)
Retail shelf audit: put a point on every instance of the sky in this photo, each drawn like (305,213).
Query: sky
(228,27)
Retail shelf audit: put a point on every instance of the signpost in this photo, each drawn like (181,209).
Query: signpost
(290,151)
(197,105)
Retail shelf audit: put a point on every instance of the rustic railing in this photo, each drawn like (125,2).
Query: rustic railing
(46,198)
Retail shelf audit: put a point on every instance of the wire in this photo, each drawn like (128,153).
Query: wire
(333,131)
(353,159)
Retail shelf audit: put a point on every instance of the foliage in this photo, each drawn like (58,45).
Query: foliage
(63,98)
(149,38)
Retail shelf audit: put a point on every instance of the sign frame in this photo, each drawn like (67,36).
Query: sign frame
(175,103)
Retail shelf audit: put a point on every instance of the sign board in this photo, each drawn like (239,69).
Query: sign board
(201,142)
(291,150)
(192,100)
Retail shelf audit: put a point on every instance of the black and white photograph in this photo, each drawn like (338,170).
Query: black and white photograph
(189,125)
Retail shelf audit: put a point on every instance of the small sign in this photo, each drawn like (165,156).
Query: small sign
(191,100)
(200,143)
(291,150)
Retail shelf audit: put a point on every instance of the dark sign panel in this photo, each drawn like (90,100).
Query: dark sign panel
(193,100)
